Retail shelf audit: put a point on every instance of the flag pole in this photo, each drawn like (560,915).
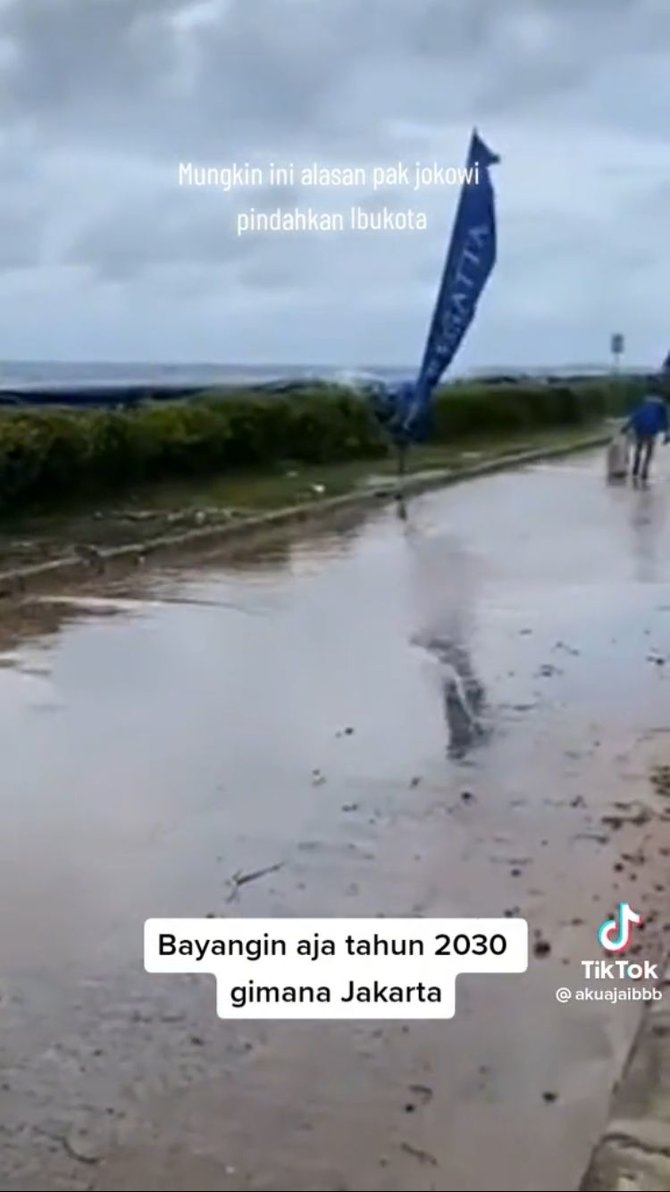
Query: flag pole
(471,256)
(402,471)
(402,462)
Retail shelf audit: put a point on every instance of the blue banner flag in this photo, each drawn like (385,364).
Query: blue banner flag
(470,259)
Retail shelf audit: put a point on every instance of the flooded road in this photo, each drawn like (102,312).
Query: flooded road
(459,714)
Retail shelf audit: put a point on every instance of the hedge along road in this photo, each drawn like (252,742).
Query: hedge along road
(170,732)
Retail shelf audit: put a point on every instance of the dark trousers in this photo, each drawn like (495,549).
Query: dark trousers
(644,450)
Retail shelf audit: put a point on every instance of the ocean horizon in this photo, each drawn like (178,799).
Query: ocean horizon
(24,374)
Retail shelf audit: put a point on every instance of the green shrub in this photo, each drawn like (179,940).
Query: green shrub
(55,453)
(463,409)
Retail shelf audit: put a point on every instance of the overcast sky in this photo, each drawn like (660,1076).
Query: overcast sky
(104,256)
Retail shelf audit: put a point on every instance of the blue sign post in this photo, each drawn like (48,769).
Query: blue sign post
(470,260)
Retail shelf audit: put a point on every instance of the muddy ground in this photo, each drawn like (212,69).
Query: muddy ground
(160,734)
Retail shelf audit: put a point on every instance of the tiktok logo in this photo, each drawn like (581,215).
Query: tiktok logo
(614,934)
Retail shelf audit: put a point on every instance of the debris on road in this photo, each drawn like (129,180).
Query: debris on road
(241,879)
(567,649)
(419,1154)
(423,1092)
(541,947)
(660,780)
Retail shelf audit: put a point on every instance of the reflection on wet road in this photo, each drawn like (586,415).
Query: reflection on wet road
(501,659)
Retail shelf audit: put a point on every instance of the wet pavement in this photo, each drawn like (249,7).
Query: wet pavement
(500,656)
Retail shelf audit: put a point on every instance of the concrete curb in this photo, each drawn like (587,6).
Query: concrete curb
(633,1154)
(20,580)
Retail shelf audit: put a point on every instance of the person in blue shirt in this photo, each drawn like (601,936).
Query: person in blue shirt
(648,419)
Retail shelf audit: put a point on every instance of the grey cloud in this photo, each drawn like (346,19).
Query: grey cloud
(69,49)
(266,274)
(259,72)
(172,226)
(21,241)
(105,97)
(268,197)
